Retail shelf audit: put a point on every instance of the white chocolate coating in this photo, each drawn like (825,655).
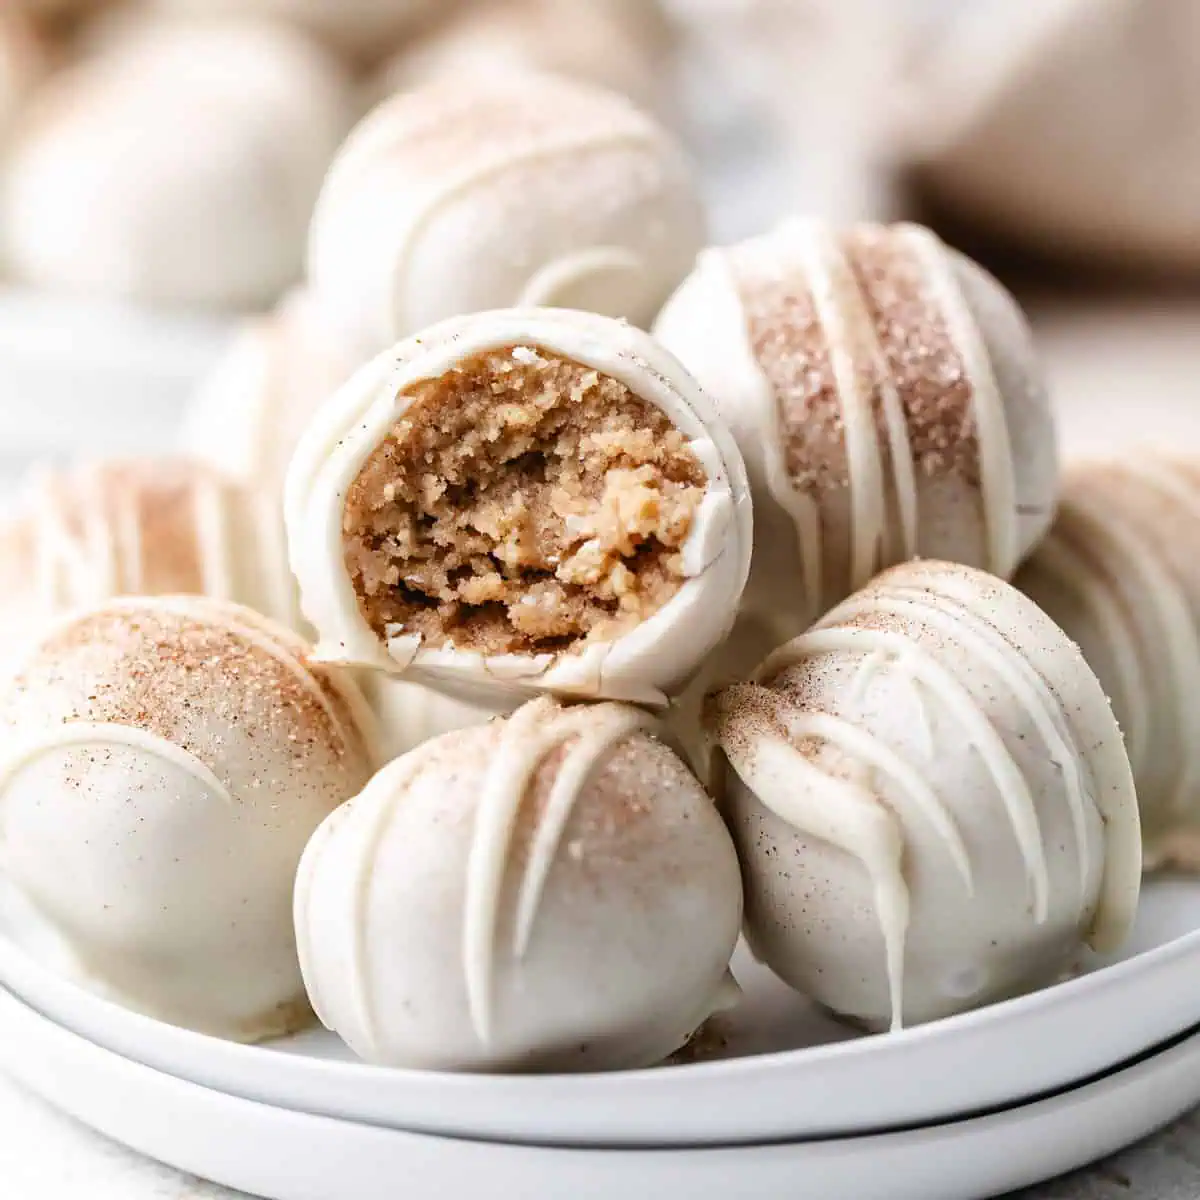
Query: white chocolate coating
(554,891)
(931,800)
(884,392)
(180,164)
(496,191)
(409,715)
(646,665)
(1119,571)
(164,763)
(364,29)
(249,414)
(1024,116)
(83,535)
(596,43)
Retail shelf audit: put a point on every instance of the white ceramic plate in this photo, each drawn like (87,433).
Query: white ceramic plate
(284,1155)
(767,1091)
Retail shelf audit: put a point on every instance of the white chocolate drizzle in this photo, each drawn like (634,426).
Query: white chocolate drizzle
(89,544)
(986,644)
(997,471)
(1007,776)
(528,738)
(1164,476)
(101,733)
(1070,570)
(1125,556)
(837,811)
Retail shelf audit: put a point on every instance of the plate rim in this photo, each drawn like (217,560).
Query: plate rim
(311,1084)
(207,1155)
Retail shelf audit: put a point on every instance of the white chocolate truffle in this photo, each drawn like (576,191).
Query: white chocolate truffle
(531,500)
(1120,572)
(597,43)
(1069,127)
(364,29)
(497,191)
(931,801)
(164,763)
(119,527)
(178,165)
(885,394)
(249,413)
(550,892)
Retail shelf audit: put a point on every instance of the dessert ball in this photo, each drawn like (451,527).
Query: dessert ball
(931,801)
(81,535)
(496,190)
(164,763)
(885,394)
(550,892)
(177,165)
(1018,131)
(598,43)
(530,500)
(364,29)
(249,413)
(1120,573)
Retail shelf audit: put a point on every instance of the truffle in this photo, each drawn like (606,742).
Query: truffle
(550,892)
(117,527)
(885,394)
(535,499)
(1120,573)
(179,164)
(602,44)
(497,190)
(164,763)
(931,801)
(248,414)
(364,29)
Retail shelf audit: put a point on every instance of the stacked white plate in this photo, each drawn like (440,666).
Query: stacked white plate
(784,1102)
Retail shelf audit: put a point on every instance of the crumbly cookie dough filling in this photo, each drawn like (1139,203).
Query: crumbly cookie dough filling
(523,504)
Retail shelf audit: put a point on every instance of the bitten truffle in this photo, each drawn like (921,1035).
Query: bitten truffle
(535,499)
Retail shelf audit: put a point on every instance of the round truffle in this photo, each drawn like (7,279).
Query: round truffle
(885,394)
(82,535)
(602,44)
(1120,573)
(180,165)
(497,190)
(164,763)
(550,892)
(931,801)
(533,499)
(1017,131)
(248,414)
